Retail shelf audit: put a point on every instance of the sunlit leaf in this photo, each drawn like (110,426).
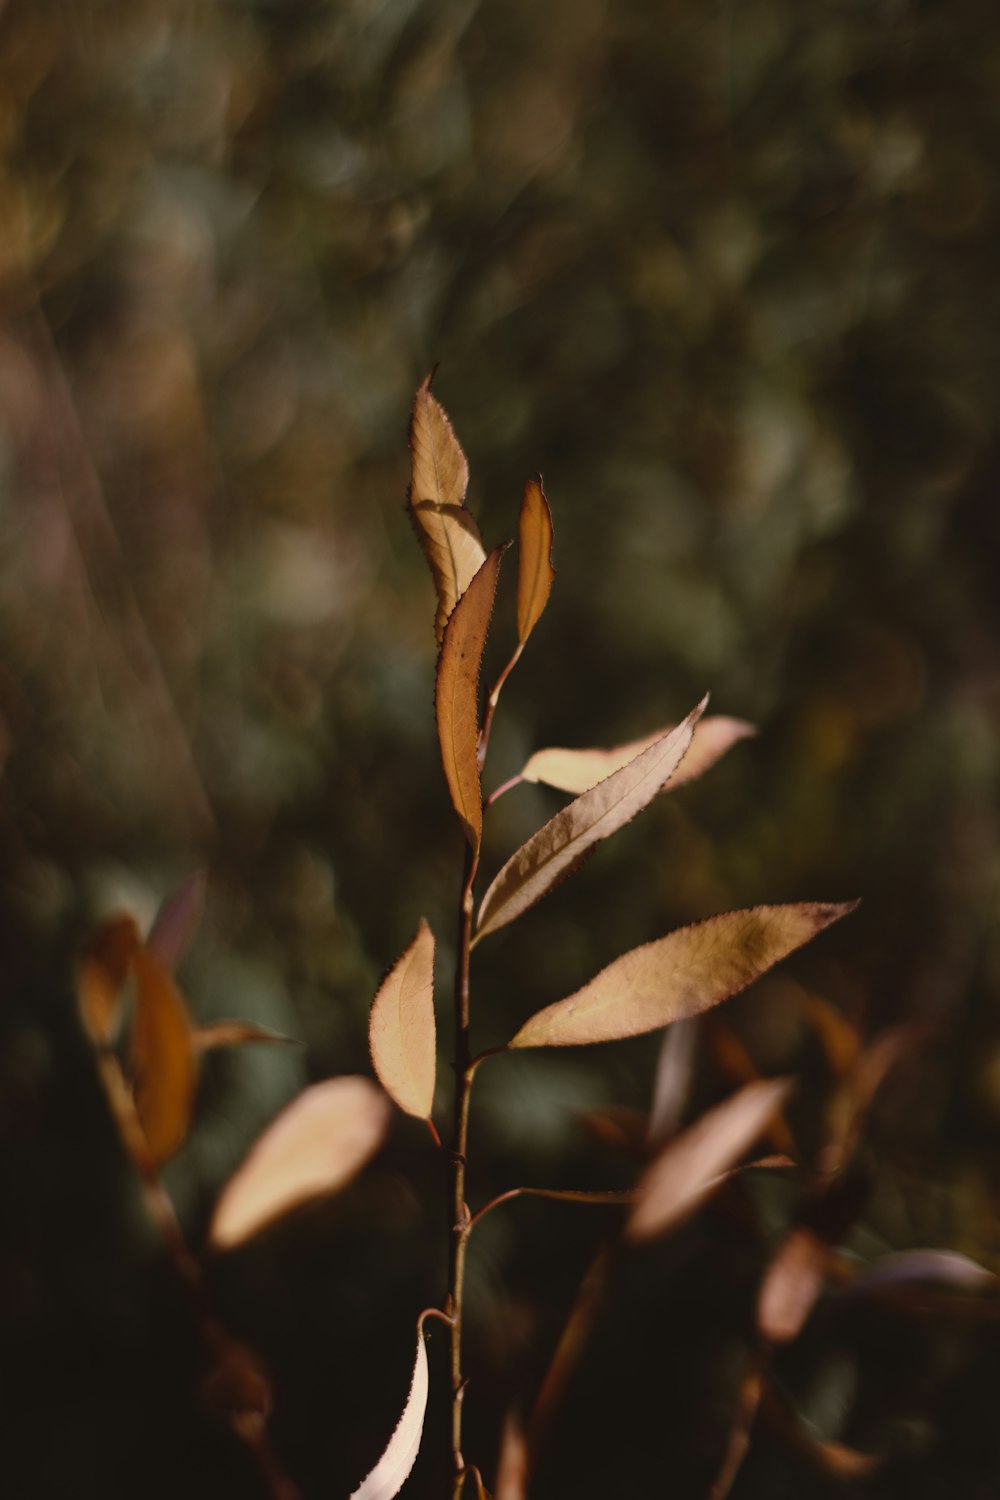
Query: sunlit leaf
(393,1468)
(314,1147)
(439,477)
(162,1057)
(792,1284)
(101,976)
(678,975)
(578,770)
(235,1034)
(695,1161)
(176,922)
(534,558)
(456,695)
(401,1028)
(559,846)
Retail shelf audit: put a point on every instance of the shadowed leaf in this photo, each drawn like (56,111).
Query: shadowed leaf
(534,558)
(314,1147)
(162,1057)
(176,922)
(839,1039)
(793,1282)
(401,1028)
(456,695)
(678,975)
(393,1468)
(512,1463)
(101,976)
(235,1034)
(835,1458)
(672,1081)
(739,1067)
(909,1267)
(559,846)
(578,770)
(439,477)
(697,1160)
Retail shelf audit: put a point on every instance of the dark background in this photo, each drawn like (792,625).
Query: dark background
(726,274)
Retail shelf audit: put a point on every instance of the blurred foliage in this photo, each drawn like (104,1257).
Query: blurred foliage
(726,275)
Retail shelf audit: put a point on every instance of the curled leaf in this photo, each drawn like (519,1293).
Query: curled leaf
(793,1282)
(401,1028)
(101,976)
(678,975)
(393,1468)
(162,1057)
(578,770)
(534,558)
(557,849)
(696,1161)
(456,695)
(314,1147)
(439,477)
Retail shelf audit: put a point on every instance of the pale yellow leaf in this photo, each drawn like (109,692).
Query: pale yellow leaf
(534,558)
(439,477)
(401,1028)
(314,1147)
(793,1282)
(456,695)
(698,1159)
(558,847)
(679,975)
(393,1468)
(578,770)
(162,1057)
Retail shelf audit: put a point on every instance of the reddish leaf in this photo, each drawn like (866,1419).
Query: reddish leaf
(578,770)
(393,1468)
(401,1028)
(162,1057)
(534,558)
(512,1463)
(794,1281)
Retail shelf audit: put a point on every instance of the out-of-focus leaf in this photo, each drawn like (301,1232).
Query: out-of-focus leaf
(176,922)
(534,558)
(695,1161)
(578,770)
(739,1067)
(623,1129)
(439,477)
(235,1034)
(678,975)
(456,695)
(162,1057)
(393,1468)
(840,1040)
(906,1267)
(313,1148)
(401,1028)
(101,976)
(836,1458)
(559,846)
(672,1081)
(793,1282)
(512,1463)
(852,1101)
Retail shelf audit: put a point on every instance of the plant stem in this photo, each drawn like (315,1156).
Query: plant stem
(458,1229)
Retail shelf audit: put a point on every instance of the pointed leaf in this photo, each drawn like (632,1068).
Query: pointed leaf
(557,849)
(697,1160)
(176,922)
(393,1468)
(162,1057)
(314,1147)
(235,1034)
(793,1282)
(101,977)
(678,975)
(906,1267)
(578,770)
(534,558)
(401,1028)
(456,695)
(672,1081)
(439,477)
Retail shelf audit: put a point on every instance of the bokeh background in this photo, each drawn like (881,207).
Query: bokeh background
(726,275)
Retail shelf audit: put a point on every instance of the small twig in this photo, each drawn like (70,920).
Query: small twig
(491,704)
(565,1195)
(505,786)
(751,1390)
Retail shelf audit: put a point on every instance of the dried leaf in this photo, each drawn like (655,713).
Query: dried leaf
(578,770)
(176,922)
(456,698)
(697,1160)
(101,977)
(235,1034)
(393,1468)
(439,477)
(794,1281)
(559,846)
(534,558)
(672,1081)
(162,1057)
(739,1067)
(839,1039)
(401,1028)
(314,1147)
(678,975)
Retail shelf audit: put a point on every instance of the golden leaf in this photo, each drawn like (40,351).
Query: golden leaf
(534,558)
(162,1057)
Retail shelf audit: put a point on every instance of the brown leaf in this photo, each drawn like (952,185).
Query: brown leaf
(162,1057)
(672,1080)
(678,975)
(534,558)
(512,1463)
(439,477)
(235,1034)
(697,1160)
(557,849)
(792,1284)
(401,1030)
(839,1039)
(313,1148)
(456,696)
(739,1067)
(578,770)
(101,976)
(176,922)
(393,1468)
